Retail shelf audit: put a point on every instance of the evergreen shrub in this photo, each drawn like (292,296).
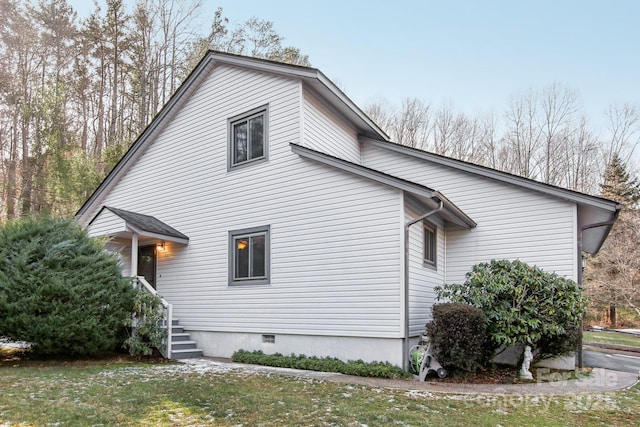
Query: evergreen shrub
(458,335)
(60,290)
(324,364)
(524,305)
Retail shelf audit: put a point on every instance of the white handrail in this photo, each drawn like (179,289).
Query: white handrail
(150,289)
(169,329)
(168,307)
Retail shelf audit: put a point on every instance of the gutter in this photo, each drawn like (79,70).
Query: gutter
(405,340)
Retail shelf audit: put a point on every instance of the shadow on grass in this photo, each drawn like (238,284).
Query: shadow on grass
(15,356)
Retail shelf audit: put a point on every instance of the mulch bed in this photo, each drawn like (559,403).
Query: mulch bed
(502,375)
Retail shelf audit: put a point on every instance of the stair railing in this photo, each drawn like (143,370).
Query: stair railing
(167,312)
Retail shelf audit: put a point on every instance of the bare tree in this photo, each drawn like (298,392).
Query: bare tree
(382,114)
(523,136)
(443,129)
(412,124)
(490,149)
(581,162)
(624,127)
(559,106)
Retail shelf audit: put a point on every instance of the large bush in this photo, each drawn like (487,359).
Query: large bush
(524,304)
(458,334)
(59,289)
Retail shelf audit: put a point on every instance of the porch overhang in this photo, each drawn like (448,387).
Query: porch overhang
(120,224)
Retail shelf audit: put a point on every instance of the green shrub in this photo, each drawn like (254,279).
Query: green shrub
(326,364)
(145,326)
(458,334)
(553,345)
(524,304)
(59,289)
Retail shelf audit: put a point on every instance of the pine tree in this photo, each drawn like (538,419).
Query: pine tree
(612,277)
(619,186)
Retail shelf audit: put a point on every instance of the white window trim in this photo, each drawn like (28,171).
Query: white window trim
(249,232)
(259,111)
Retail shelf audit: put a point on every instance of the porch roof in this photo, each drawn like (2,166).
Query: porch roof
(126,222)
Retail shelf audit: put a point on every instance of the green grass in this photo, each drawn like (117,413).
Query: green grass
(615,338)
(120,392)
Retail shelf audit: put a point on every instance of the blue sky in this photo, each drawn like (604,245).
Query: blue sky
(473,54)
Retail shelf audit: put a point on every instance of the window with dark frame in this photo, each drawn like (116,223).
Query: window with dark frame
(430,243)
(249,259)
(248,137)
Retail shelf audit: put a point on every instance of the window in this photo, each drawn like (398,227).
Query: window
(248,137)
(249,256)
(269,339)
(430,243)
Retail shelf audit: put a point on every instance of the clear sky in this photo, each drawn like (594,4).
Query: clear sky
(473,54)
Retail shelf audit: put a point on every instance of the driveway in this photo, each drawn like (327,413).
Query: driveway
(616,360)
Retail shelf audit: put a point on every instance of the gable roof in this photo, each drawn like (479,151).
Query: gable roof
(312,78)
(451,213)
(146,225)
(596,215)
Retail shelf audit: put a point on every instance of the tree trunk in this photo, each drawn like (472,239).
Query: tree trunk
(612,316)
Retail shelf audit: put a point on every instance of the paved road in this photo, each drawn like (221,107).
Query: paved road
(612,359)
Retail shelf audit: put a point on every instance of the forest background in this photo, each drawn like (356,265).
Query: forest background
(76,93)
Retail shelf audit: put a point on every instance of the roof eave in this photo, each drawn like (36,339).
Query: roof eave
(550,190)
(455,214)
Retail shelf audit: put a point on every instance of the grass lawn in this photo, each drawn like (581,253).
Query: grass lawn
(611,338)
(122,392)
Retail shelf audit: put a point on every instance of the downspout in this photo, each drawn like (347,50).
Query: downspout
(405,341)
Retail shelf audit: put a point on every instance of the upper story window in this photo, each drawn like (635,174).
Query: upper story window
(430,243)
(248,137)
(249,256)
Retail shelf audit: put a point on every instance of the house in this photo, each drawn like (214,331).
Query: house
(274,215)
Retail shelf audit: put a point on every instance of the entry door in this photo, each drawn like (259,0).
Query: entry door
(147,263)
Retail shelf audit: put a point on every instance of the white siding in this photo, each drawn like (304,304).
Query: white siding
(335,238)
(106,224)
(422,279)
(324,131)
(513,223)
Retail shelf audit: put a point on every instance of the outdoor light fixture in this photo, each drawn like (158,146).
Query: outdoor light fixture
(160,246)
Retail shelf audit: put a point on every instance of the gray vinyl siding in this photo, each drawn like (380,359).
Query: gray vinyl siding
(422,279)
(513,223)
(324,131)
(335,238)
